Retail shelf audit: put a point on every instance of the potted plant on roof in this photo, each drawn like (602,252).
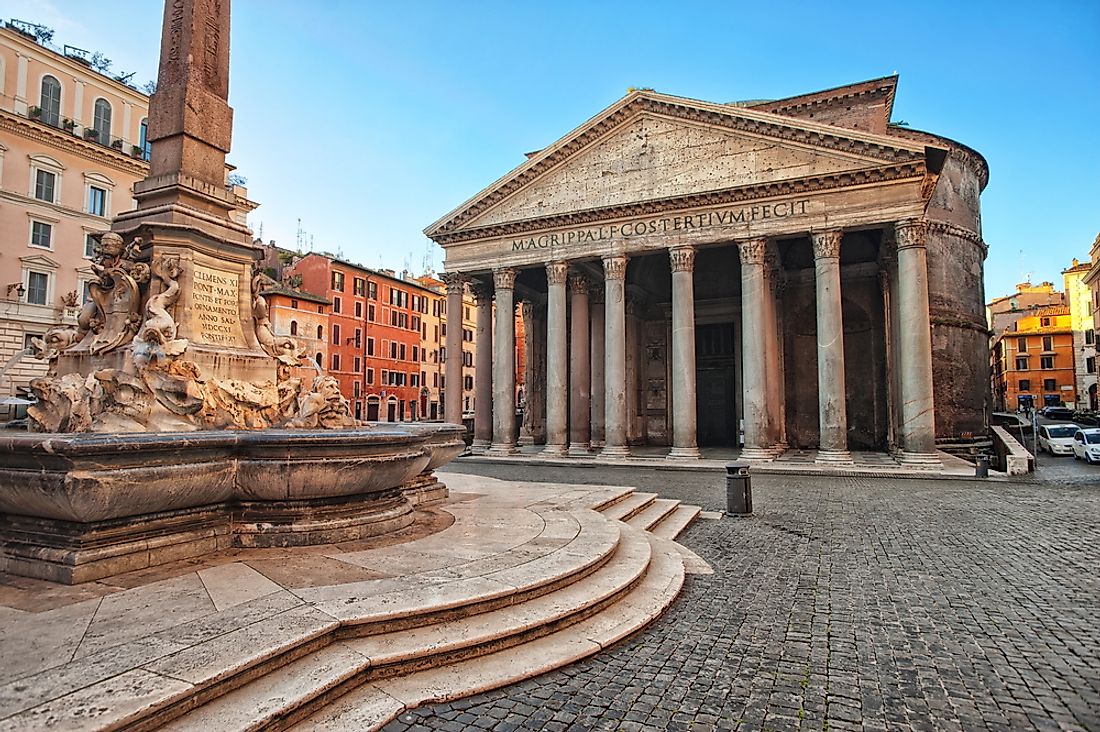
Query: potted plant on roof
(68,124)
(90,133)
(135,151)
(116,144)
(35,112)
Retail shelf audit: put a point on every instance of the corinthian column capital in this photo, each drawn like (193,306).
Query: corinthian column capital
(911,233)
(453,280)
(827,244)
(504,278)
(682,259)
(482,293)
(578,284)
(556,273)
(752,250)
(614,267)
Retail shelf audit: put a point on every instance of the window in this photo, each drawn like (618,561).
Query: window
(1021,344)
(45,186)
(1089,336)
(1021,363)
(38,285)
(401,352)
(101,121)
(1046,362)
(294,304)
(468,382)
(335,304)
(370,376)
(319,360)
(320,332)
(416,353)
(50,101)
(393,350)
(1050,385)
(359,285)
(370,346)
(86,291)
(89,246)
(1048,343)
(1090,365)
(336,335)
(358,367)
(358,339)
(41,235)
(294,327)
(358,309)
(97,201)
(336,362)
(1044,322)
(1025,384)
(372,290)
(143,136)
(338,281)
(356,385)
(370,313)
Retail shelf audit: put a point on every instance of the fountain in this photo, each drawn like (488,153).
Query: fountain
(173,421)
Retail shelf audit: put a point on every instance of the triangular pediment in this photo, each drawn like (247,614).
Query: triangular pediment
(39,260)
(652,147)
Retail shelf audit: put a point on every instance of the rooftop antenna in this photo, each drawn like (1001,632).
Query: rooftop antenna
(298,236)
(426,264)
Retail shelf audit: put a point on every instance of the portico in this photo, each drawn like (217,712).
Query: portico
(715,275)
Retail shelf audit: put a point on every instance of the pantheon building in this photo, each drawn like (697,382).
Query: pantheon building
(790,274)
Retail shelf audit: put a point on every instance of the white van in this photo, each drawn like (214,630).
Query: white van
(1057,439)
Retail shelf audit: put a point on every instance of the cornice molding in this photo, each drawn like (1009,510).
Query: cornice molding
(948,229)
(727,118)
(794,186)
(61,140)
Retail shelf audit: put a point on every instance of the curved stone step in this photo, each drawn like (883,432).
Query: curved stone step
(674,524)
(304,684)
(653,514)
(622,510)
(376,702)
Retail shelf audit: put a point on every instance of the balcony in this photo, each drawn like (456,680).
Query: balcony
(88,134)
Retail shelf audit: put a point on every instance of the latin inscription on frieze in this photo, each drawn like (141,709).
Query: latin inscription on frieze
(660,225)
(216,307)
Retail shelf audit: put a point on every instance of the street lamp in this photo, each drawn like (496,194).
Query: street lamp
(20,290)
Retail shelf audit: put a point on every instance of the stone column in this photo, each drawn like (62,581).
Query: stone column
(831,395)
(887,263)
(682,263)
(557,388)
(615,435)
(773,368)
(754,336)
(504,365)
(580,381)
(918,415)
(527,426)
(483,368)
(452,401)
(596,320)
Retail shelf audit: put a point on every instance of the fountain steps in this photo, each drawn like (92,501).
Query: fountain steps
(355,655)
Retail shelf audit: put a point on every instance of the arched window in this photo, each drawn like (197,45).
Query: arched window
(294,327)
(50,101)
(146,146)
(320,360)
(320,332)
(101,121)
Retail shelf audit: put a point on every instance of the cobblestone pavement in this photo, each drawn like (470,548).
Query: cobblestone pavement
(843,604)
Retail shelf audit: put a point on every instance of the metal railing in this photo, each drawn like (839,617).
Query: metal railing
(88,134)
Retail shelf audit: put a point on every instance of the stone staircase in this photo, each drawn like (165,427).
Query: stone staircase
(576,572)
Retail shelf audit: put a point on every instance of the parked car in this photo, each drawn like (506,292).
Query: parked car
(1086,417)
(1086,445)
(1057,439)
(1057,413)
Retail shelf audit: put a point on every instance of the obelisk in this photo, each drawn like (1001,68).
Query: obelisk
(184,205)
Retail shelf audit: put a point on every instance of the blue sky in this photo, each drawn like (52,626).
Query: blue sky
(369,120)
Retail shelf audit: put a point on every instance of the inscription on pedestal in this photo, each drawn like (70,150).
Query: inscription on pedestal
(216,307)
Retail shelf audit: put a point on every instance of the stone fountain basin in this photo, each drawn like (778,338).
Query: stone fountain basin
(97,477)
(445,441)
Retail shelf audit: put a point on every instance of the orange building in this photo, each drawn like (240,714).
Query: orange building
(301,315)
(396,362)
(1034,360)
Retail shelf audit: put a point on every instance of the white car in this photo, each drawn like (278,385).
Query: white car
(1057,439)
(1086,444)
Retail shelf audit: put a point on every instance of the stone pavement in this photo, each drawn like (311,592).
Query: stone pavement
(843,604)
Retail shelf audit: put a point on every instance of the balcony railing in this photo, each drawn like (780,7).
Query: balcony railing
(88,134)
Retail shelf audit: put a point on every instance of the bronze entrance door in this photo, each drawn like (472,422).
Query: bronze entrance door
(716,385)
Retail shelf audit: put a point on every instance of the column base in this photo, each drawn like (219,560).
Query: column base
(502,449)
(614,452)
(925,460)
(480,446)
(833,457)
(579,449)
(526,440)
(553,451)
(757,454)
(684,453)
